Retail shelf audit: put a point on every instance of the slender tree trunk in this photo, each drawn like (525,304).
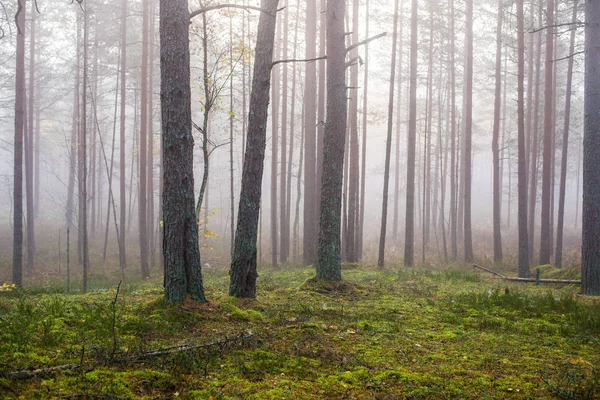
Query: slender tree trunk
(122,163)
(183,274)
(275,97)
(453,161)
(17,272)
(522,167)
(363,167)
(577,198)
(565,147)
(496,134)
(411,150)
(83,179)
(388,144)
(398,130)
(590,255)
(468,131)
(310,139)
(243,266)
(29,133)
(545,237)
(150,217)
(284,229)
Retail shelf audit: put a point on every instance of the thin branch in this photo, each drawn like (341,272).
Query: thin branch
(298,60)
(569,56)
(220,6)
(363,42)
(354,61)
(576,24)
(19,9)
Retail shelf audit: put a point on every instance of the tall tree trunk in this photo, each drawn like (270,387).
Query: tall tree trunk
(495,144)
(29,171)
(363,167)
(329,256)
(522,167)
(545,240)
(243,265)
(411,150)
(533,158)
(398,131)
(122,162)
(468,131)
(388,143)
(143,187)
(565,147)
(310,139)
(453,161)
(183,274)
(84,169)
(275,97)
(17,272)
(284,228)
(590,255)
(150,217)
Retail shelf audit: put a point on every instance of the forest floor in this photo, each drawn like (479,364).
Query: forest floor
(382,334)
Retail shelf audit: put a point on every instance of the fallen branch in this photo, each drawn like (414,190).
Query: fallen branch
(28,374)
(536,280)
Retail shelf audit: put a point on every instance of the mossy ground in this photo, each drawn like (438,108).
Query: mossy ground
(385,333)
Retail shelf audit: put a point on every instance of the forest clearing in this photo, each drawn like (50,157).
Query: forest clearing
(381,334)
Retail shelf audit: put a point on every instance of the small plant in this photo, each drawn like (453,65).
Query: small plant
(574,380)
(7,288)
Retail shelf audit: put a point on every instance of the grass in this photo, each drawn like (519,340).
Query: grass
(382,334)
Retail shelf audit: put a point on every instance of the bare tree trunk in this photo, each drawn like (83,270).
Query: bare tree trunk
(468,131)
(411,150)
(577,198)
(453,161)
(496,134)
(590,255)
(150,217)
(83,178)
(275,98)
(363,174)
(17,272)
(122,163)
(183,274)
(522,167)
(310,140)
(329,258)
(545,240)
(29,138)
(388,144)
(284,228)
(565,147)
(398,131)
(243,266)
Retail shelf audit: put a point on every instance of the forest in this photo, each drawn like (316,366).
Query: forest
(285,199)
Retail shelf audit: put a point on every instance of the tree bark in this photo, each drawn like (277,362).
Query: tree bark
(565,147)
(545,239)
(122,162)
(468,131)
(183,274)
(453,161)
(411,148)
(143,188)
(522,167)
(243,265)
(329,256)
(590,254)
(388,143)
(284,227)
(495,145)
(29,172)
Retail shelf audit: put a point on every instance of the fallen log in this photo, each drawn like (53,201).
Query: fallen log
(535,280)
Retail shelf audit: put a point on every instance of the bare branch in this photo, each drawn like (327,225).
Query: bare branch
(362,42)
(569,56)
(298,60)
(576,24)
(220,6)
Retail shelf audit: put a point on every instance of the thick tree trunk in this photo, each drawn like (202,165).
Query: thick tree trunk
(545,239)
(150,218)
(495,144)
(590,255)
(565,147)
(329,251)
(388,143)
(183,274)
(243,265)
(411,148)
(522,167)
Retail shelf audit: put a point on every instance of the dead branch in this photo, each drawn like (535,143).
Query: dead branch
(362,42)
(28,374)
(516,279)
(220,6)
(298,60)
(576,24)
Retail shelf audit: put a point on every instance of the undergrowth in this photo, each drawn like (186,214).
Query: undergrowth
(380,334)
